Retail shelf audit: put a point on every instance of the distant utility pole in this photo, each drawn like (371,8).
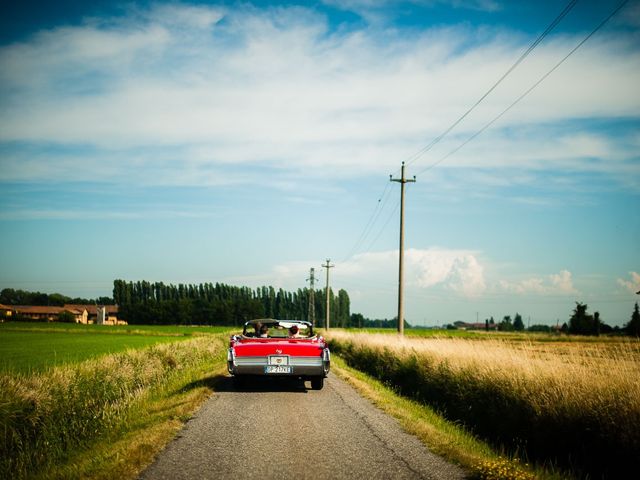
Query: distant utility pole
(312,297)
(328,309)
(402,180)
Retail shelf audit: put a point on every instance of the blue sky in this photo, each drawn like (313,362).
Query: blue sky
(246,142)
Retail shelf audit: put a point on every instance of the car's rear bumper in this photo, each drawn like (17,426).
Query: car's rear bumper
(299,366)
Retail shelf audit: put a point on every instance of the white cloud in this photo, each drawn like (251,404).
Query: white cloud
(277,88)
(458,271)
(554,284)
(633,285)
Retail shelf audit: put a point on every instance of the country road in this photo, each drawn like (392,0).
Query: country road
(280,430)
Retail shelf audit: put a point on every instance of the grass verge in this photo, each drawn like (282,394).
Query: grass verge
(443,437)
(55,424)
(126,452)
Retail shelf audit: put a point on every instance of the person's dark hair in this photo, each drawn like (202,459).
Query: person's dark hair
(264,329)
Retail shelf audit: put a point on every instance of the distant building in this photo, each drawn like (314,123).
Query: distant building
(49,314)
(475,326)
(5,312)
(85,314)
(99,314)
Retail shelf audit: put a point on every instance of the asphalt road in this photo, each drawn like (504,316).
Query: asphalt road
(281,430)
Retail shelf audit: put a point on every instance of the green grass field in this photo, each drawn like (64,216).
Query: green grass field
(32,347)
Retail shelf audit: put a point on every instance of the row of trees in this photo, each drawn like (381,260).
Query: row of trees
(580,323)
(583,323)
(144,302)
(360,321)
(9,296)
(506,324)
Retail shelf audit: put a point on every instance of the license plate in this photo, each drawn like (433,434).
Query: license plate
(278,360)
(277,369)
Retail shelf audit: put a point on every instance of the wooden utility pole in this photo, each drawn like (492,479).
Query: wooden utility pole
(328,309)
(402,180)
(312,297)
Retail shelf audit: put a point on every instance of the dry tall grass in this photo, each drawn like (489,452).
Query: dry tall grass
(577,404)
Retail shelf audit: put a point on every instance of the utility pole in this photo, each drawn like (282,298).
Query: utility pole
(402,180)
(312,297)
(328,309)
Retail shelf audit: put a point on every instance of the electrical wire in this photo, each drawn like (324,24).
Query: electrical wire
(380,204)
(537,41)
(382,200)
(384,227)
(528,91)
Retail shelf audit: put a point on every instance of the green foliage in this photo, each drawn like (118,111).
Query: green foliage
(143,302)
(359,321)
(633,327)
(581,323)
(9,296)
(66,317)
(505,325)
(539,328)
(518,324)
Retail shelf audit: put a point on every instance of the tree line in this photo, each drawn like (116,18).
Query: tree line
(10,296)
(144,302)
(580,323)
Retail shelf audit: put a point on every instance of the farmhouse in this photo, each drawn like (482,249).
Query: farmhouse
(85,314)
(5,312)
(475,326)
(98,314)
(50,314)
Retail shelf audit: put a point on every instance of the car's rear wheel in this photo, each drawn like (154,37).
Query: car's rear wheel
(317,383)
(239,381)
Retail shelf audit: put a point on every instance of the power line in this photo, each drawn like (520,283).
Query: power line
(380,204)
(538,40)
(528,91)
(382,200)
(384,227)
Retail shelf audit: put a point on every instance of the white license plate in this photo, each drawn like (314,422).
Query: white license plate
(277,369)
(278,360)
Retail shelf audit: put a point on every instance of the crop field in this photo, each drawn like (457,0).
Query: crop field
(574,404)
(33,347)
(62,387)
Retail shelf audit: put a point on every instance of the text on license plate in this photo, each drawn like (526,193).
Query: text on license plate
(277,369)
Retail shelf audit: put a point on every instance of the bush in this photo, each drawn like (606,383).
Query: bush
(66,317)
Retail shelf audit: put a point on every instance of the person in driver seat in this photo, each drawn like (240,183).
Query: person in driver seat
(264,331)
(294,332)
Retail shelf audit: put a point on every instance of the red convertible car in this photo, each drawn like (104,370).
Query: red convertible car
(279,348)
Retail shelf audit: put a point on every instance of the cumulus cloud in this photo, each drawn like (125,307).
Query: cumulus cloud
(457,271)
(554,284)
(633,285)
(279,88)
